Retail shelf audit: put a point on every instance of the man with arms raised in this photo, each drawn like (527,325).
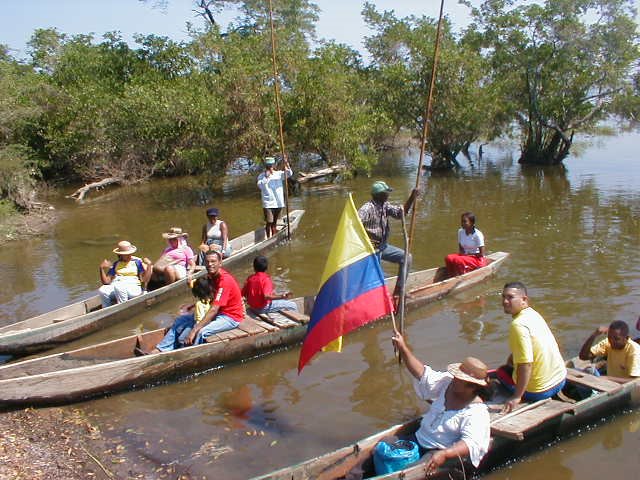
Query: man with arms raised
(535,369)
(622,353)
(374,215)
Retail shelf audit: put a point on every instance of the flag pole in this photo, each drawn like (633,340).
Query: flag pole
(281,130)
(427,117)
(403,273)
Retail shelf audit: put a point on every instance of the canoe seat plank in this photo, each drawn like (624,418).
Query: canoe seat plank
(231,334)
(296,316)
(515,427)
(251,326)
(278,320)
(596,383)
(266,325)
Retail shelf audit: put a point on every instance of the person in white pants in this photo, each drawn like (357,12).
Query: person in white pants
(124,278)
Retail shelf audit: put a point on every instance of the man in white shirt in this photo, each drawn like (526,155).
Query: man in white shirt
(458,423)
(271,185)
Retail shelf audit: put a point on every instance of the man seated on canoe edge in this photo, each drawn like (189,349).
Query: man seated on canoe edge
(535,368)
(458,423)
(622,353)
(225,313)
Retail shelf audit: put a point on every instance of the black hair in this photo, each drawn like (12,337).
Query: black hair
(620,326)
(517,285)
(260,263)
(201,289)
(470,215)
(472,218)
(214,252)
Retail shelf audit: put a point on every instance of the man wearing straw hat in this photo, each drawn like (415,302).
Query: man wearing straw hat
(271,185)
(457,424)
(177,261)
(124,278)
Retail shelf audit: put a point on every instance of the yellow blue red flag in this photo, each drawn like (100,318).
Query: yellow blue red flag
(352,289)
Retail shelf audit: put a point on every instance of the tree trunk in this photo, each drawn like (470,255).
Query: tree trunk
(545,149)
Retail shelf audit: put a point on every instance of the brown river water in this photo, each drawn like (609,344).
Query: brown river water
(574,238)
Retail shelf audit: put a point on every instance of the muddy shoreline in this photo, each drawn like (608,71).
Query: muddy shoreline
(55,443)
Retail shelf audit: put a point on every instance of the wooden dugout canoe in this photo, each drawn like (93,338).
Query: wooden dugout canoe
(81,318)
(512,435)
(113,366)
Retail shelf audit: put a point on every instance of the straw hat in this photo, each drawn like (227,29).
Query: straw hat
(174,232)
(124,248)
(470,370)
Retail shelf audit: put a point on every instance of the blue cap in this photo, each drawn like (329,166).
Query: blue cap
(213,212)
(269,161)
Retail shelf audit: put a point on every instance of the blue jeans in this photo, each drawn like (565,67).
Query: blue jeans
(392,254)
(278,306)
(181,329)
(537,396)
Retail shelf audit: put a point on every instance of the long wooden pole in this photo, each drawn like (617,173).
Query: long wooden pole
(427,117)
(277,95)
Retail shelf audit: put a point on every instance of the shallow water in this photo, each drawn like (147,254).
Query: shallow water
(572,233)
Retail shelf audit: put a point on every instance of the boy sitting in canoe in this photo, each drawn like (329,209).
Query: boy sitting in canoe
(259,293)
(622,353)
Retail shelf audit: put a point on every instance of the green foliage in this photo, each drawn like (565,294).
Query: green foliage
(465,104)
(17,176)
(328,112)
(87,108)
(567,63)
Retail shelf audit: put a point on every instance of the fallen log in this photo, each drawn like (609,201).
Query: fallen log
(80,193)
(302,177)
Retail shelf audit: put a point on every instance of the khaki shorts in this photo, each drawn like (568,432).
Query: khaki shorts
(271,215)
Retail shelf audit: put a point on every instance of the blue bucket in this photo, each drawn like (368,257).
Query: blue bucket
(391,457)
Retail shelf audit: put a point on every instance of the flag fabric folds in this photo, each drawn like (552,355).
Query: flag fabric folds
(352,289)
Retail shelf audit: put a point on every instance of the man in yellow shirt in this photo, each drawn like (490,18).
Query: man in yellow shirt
(535,369)
(622,353)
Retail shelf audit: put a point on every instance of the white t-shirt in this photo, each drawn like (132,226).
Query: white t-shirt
(470,243)
(441,428)
(272,188)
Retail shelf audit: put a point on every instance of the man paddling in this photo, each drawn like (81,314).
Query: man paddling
(374,215)
(271,185)
(457,424)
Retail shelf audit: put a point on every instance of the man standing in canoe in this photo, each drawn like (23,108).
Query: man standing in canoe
(225,313)
(271,185)
(535,369)
(374,215)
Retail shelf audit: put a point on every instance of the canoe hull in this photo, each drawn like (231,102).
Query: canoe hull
(336,464)
(112,366)
(81,318)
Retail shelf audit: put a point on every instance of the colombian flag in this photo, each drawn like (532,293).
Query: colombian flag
(352,291)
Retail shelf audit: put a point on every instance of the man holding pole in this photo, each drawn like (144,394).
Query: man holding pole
(271,184)
(374,215)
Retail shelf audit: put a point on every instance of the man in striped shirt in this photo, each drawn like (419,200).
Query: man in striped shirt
(375,217)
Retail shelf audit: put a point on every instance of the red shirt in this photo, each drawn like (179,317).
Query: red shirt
(255,288)
(227,295)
